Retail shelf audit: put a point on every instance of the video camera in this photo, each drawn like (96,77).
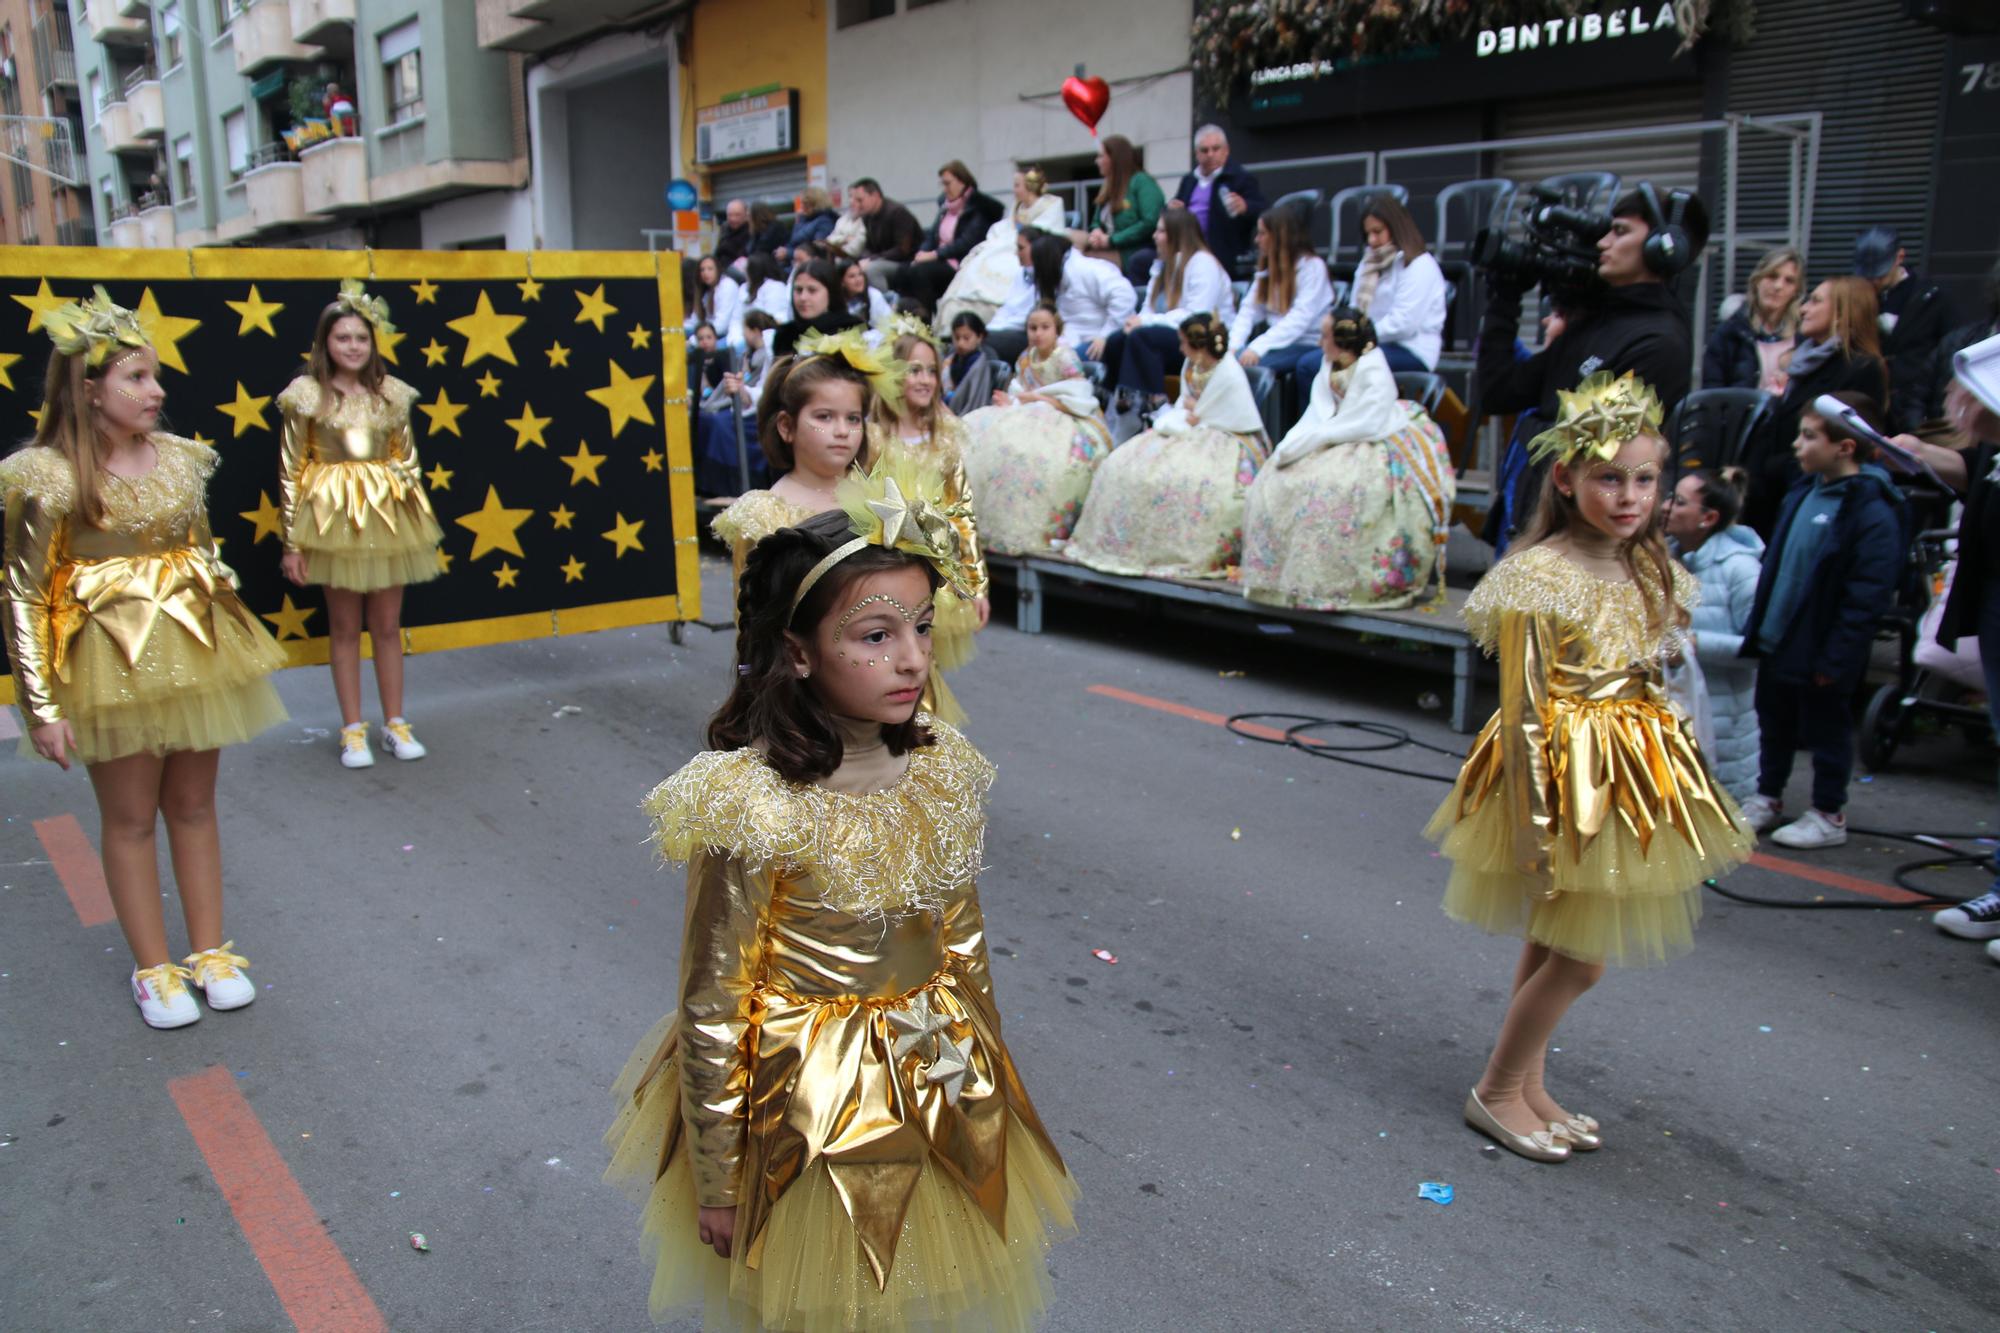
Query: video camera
(1558,250)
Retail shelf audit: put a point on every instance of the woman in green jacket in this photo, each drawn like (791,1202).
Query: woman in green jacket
(1128,204)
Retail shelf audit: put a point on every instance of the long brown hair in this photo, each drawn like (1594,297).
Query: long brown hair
(1404,233)
(901,349)
(1855,312)
(788,387)
(770,707)
(1117,181)
(1184,242)
(1278,282)
(69,426)
(319,363)
(1644,556)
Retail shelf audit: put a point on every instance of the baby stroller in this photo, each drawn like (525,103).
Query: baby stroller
(1931,679)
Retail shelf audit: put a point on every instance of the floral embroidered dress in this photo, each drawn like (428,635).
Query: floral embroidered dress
(1169,503)
(1031,463)
(835,1071)
(1585,818)
(352,491)
(1355,509)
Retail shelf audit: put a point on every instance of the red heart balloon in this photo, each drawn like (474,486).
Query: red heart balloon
(1087,99)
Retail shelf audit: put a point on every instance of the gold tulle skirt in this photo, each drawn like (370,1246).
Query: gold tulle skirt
(953,1272)
(358,560)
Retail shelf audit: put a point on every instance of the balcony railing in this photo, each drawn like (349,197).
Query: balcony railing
(76,231)
(336,175)
(138,74)
(111,27)
(262,34)
(55,56)
(312,18)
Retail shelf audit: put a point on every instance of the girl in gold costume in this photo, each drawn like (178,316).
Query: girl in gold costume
(357,520)
(1585,818)
(131,649)
(829,1133)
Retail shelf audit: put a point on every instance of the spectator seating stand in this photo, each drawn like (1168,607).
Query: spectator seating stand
(1716,427)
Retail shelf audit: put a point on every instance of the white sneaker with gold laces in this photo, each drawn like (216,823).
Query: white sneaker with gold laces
(354,751)
(400,741)
(162,996)
(219,973)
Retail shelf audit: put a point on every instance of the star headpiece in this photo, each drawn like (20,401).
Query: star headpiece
(899,504)
(883,372)
(902,324)
(1598,417)
(94,327)
(354,299)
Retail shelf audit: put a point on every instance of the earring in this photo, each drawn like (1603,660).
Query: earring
(805,674)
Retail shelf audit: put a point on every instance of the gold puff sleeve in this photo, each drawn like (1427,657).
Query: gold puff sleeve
(951,435)
(1511,615)
(39,491)
(201,534)
(401,398)
(296,408)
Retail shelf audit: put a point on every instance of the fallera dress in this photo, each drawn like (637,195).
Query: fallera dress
(1585,818)
(835,1071)
(131,629)
(1031,463)
(352,492)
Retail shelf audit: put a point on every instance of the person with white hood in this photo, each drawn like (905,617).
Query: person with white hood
(1726,559)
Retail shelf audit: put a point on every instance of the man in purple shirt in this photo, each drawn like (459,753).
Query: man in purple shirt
(1224,199)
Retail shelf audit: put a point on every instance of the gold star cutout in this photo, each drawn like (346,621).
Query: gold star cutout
(444,559)
(247,411)
(256,312)
(40,304)
(165,332)
(595,308)
(561,515)
(7,360)
(583,466)
(486,332)
(440,477)
(653,459)
(573,571)
(199,438)
(427,292)
(558,354)
(624,398)
(528,428)
(530,289)
(625,536)
(269,521)
(444,414)
(35,415)
(434,352)
(386,343)
(505,575)
(489,385)
(289,620)
(641,336)
(492,526)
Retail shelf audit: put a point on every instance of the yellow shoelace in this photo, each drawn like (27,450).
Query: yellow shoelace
(401,731)
(165,979)
(217,964)
(354,737)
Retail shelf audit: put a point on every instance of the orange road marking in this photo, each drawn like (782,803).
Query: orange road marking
(1832,879)
(319,1291)
(77,866)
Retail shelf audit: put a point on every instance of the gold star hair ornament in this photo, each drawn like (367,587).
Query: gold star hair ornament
(902,324)
(900,505)
(1598,417)
(883,372)
(354,299)
(94,327)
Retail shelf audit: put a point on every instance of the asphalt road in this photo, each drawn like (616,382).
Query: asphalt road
(456,956)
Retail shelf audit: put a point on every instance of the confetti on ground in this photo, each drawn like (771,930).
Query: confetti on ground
(1236,835)
(567,710)
(553,1161)
(1763,1027)
(1104,956)
(1435,1190)
(1231,675)
(409,846)
(419,1242)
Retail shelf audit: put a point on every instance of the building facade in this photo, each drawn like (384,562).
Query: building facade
(46,198)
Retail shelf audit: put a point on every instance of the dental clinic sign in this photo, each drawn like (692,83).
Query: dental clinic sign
(1577,30)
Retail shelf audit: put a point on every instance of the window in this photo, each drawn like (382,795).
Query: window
(847,13)
(184,168)
(225,14)
(109,194)
(170,32)
(236,134)
(96,95)
(402,71)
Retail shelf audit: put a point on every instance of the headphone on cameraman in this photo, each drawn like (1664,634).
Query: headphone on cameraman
(1668,250)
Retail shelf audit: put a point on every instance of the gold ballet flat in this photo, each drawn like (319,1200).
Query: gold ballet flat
(1540,1146)
(1579,1131)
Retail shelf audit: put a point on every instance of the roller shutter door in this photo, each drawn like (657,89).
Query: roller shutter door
(776,183)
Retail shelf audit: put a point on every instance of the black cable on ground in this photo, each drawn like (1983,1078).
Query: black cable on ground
(1930,897)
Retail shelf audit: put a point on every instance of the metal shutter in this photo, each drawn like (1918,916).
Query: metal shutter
(777,183)
(1667,162)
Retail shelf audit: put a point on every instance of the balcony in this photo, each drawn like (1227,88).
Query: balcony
(336,175)
(114,28)
(76,231)
(55,56)
(120,129)
(275,189)
(536,25)
(136,9)
(144,103)
(313,19)
(263,37)
(127,232)
(59,156)
(156,227)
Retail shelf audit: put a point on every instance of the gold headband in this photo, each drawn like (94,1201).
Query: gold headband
(883,372)
(94,327)
(1598,417)
(898,505)
(901,324)
(355,299)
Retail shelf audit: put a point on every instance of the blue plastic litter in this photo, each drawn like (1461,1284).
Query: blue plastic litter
(1434,1190)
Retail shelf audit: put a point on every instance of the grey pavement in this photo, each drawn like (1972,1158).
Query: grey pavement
(456,957)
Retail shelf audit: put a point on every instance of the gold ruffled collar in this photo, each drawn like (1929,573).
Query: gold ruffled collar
(906,849)
(176,484)
(1610,616)
(755,515)
(386,410)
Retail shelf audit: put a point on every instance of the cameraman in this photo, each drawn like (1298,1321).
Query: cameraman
(1630,320)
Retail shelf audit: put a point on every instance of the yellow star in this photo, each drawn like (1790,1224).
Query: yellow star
(40,304)
(199,438)
(440,477)
(562,516)
(444,414)
(486,332)
(7,360)
(289,620)
(270,522)
(641,336)
(573,571)
(165,331)
(247,411)
(489,385)
(595,308)
(35,415)
(530,289)
(444,559)
(558,354)
(583,466)
(624,398)
(492,526)
(505,575)
(256,312)
(427,292)
(653,459)
(386,343)
(434,352)
(528,428)
(625,536)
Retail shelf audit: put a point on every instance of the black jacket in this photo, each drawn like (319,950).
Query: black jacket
(1229,236)
(1978,548)
(893,233)
(1772,468)
(1642,328)
(779,234)
(1852,586)
(1730,360)
(785,338)
(732,243)
(1939,376)
(1922,316)
(980,213)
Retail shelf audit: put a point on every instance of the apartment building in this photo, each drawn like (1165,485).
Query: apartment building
(46,197)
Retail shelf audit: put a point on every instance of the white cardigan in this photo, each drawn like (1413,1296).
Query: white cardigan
(728,309)
(1205,289)
(1312,297)
(1409,307)
(1094,298)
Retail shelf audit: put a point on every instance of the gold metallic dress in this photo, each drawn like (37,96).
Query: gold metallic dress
(835,1072)
(750,518)
(352,492)
(1585,817)
(952,631)
(131,629)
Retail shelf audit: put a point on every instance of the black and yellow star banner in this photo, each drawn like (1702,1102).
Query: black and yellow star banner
(546,409)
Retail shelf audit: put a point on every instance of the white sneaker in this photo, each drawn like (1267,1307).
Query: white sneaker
(1993,950)
(219,974)
(1811,830)
(354,751)
(162,996)
(1976,920)
(398,739)
(1760,812)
